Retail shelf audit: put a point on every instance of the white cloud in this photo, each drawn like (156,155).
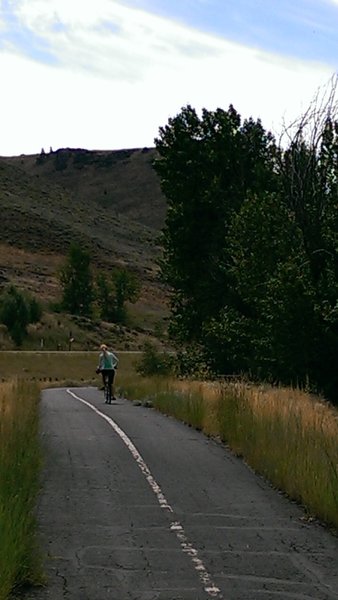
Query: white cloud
(114,86)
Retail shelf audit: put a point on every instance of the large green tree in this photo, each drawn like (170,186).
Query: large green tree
(208,166)
(113,293)
(77,282)
(309,181)
(267,332)
(250,244)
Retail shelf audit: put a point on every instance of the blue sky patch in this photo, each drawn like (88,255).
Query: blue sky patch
(22,38)
(109,27)
(305,29)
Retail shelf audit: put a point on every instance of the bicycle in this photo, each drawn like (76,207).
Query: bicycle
(108,376)
(107,365)
(107,389)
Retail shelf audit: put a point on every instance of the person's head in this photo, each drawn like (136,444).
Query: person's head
(103,348)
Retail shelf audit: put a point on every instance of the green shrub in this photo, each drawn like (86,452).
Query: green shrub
(154,362)
(17,310)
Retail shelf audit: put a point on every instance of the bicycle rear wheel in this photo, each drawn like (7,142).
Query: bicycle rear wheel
(107,391)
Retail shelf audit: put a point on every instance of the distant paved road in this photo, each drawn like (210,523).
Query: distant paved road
(138,506)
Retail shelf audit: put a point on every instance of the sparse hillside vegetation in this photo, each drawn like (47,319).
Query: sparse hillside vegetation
(122,181)
(110,204)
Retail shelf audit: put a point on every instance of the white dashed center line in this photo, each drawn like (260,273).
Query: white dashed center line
(175,526)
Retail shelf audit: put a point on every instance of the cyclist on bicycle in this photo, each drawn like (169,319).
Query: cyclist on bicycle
(107,366)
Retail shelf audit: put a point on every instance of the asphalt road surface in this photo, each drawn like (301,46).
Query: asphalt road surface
(137,506)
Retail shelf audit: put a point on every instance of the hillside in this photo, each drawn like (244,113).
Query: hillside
(109,201)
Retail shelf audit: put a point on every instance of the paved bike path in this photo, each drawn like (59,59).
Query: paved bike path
(138,506)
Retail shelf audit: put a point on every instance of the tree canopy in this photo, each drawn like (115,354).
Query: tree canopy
(251,245)
(77,282)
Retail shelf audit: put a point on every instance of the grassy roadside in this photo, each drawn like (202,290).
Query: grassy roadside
(284,434)
(19,484)
(59,368)
(22,376)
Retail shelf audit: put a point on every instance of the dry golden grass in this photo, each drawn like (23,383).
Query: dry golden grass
(285,434)
(58,367)
(19,482)
(290,437)
(32,271)
(20,455)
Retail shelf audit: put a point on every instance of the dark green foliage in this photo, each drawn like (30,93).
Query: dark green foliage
(105,297)
(127,288)
(35,311)
(207,166)
(61,158)
(76,281)
(190,361)
(82,158)
(113,294)
(251,247)
(154,362)
(41,159)
(17,311)
(308,173)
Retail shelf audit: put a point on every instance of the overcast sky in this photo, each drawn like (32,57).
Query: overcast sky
(106,74)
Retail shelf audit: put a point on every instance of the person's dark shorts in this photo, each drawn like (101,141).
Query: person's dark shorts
(110,373)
